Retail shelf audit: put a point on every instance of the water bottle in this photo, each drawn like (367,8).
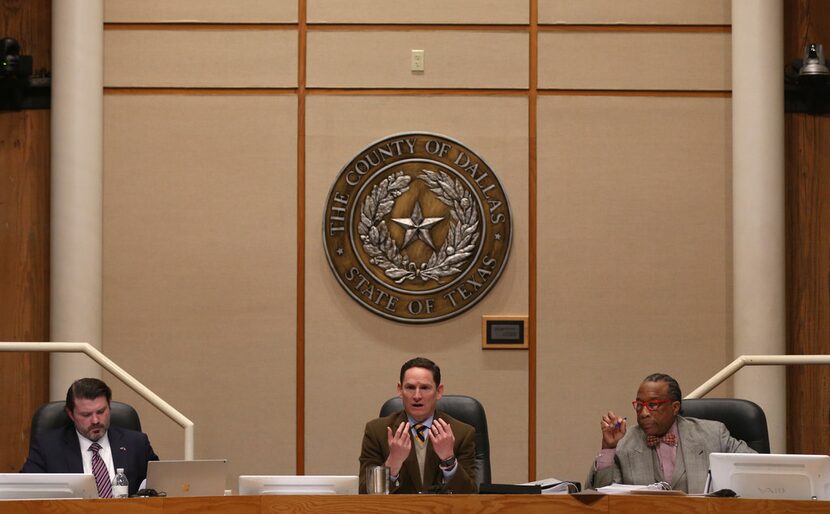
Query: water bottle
(120,484)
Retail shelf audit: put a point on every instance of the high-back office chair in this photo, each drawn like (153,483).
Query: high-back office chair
(466,409)
(744,419)
(52,415)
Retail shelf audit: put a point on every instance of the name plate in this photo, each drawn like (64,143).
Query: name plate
(504,332)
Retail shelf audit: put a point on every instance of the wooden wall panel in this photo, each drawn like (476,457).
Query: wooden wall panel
(808,244)
(353,355)
(634,243)
(200,11)
(199,282)
(634,60)
(424,11)
(453,59)
(200,58)
(24,239)
(668,12)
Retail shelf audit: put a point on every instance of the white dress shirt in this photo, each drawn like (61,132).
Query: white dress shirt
(105,452)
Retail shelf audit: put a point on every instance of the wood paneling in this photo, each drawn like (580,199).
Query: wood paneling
(24,239)
(670,12)
(621,60)
(203,58)
(808,245)
(498,12)
(453,59)
(200,11)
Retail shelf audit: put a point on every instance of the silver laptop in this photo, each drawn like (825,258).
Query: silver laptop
(770,475)
(188,477)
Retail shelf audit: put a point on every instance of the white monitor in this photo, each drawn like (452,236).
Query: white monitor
(37,486)
(297,484)
(770,475)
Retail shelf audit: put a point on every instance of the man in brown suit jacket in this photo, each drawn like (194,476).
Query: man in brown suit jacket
(425,450)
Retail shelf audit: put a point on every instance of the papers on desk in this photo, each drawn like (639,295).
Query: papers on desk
(554,486)
(658,488)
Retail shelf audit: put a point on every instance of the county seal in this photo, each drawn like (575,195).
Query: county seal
(417,228)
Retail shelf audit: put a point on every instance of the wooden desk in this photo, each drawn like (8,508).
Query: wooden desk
(414,504)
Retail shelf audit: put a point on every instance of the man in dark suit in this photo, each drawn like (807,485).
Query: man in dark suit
(425,450)
(91,443)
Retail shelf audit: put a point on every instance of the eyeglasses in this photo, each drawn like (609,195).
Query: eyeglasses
(651,405)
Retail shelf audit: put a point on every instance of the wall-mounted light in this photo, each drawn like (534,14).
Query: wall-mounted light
(18,90)
(807,83)
(813,65)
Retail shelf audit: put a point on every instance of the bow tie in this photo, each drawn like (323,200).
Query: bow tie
(669,439)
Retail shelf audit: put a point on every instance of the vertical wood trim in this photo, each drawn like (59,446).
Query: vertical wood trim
(532,171)
(808,244)
(302,29)
(24,239)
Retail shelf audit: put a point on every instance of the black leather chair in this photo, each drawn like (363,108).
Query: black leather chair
(52,415)
(744,419)
(466,409)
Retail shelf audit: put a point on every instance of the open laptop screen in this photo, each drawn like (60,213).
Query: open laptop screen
(771,475)
(188,477)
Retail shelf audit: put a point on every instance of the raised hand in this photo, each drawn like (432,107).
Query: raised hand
(442,439)
(400,443)
(613,429)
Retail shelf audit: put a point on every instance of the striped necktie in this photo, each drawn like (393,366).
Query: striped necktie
(419,432)
(99,469)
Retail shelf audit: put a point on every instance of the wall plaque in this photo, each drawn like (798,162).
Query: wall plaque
(504,332)
(417,228)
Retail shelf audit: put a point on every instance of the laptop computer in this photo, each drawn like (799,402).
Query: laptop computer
(770,475)
(188,477)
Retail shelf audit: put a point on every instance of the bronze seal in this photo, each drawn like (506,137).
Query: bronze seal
(417,228)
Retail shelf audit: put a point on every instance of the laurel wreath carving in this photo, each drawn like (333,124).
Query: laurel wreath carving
(453,254)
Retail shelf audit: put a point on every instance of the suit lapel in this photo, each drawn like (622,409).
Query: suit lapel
(695,456)
(74,462)
(642,469)
(431,471)
(430,465)
(410,465)
(117,448)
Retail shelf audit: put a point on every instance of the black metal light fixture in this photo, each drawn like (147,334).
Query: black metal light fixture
(807,83)
(18,90)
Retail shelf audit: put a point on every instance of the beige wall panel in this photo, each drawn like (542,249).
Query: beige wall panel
(353,356)
(200,11)
(634,248)
(424,11)
(674,12)
(457,59)
(634,60)
(199,260)
(200,58)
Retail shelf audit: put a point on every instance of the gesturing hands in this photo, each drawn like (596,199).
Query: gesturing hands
(400,442)
(443,441)
(613,429)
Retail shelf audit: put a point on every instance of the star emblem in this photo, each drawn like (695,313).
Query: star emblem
(498,237)
(417,227)
(339,252)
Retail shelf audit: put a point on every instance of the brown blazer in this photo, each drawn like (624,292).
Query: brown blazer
(375,450)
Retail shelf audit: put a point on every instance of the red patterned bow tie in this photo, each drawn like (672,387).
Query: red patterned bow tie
(669,439)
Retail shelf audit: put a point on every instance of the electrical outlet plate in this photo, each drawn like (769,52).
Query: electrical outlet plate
(417,60)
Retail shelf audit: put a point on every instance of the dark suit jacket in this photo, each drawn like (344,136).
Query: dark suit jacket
(58,451)
(376,449)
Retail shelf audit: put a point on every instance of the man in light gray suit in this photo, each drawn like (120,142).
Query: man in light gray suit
(663,447)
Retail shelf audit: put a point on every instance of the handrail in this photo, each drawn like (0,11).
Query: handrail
(106,363)
(755,360)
